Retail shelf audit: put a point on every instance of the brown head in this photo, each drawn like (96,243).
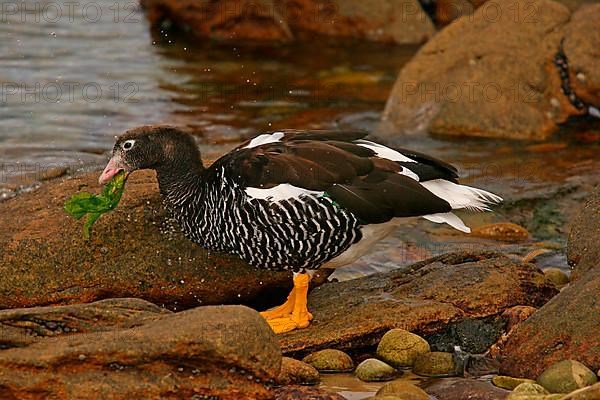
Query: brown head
(152,147)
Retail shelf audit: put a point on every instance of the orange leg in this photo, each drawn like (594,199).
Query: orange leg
(293,314)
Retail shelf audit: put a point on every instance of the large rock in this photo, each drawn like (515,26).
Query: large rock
(132,253)
(580,45)
(228,352)
(492,74)
(24,326)
(395,21)
(422,299)
(567,327)
(583,248)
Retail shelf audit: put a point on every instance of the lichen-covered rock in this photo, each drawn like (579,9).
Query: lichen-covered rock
(392,21)
(295,372)
(133,252)
(424,297)
(566,376)
(330,360)
(509,382)
(405,390)
(226,352)
(434,364)
(475,90)
(400,348)
(530,388)
(374,370)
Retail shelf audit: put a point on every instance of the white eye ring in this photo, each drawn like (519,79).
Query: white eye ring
(128,145)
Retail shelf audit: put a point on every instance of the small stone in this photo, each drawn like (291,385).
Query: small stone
(295,372)
(435,364)
(399,348)
(402,390)
(330,360)
(530,388)
(532,391)
(556,276)
(566,376)
(374,370)
(508,382)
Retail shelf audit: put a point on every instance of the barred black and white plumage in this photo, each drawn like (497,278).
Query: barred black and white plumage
(296,200)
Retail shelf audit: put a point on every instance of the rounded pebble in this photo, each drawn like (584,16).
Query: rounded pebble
(402,389)
(330,360)
(400,348)
(508,382)
(556,276)
(566,376)
(434,364)
(374,370)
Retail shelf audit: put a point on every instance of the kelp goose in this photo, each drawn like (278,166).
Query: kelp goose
(295,200)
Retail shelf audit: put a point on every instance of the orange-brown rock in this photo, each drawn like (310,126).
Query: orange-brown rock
(132,253)
(492,74)
(505,231)
(24,326)
(567,327)
(422,298)
(227,352)
(305,393)
(393,21)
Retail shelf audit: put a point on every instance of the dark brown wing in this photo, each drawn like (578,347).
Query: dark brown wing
(372,188)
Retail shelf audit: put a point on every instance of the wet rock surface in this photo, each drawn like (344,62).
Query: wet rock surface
(422,299)
(472,335)
(567,327)
(284,20)
(460,389)
(224,351)
(133,252)
(475,90)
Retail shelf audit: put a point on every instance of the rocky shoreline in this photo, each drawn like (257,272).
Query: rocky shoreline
(505,316)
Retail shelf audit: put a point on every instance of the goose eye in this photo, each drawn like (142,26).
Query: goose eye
(128,144)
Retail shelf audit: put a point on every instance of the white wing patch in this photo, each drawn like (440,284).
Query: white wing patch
(409,173)
(449,219)
(264,139)
(462,196)
(280,192)
(384,152)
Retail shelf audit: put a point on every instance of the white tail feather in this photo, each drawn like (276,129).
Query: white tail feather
(449,219)
(462,196)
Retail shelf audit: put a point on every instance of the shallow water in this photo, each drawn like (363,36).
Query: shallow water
(74,78)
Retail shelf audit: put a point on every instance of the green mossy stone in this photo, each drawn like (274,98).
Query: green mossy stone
(556,276)
(374,370)
(402,389)
(508,382)
(435,364)
(566,376)
(400,348)
(330,360)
